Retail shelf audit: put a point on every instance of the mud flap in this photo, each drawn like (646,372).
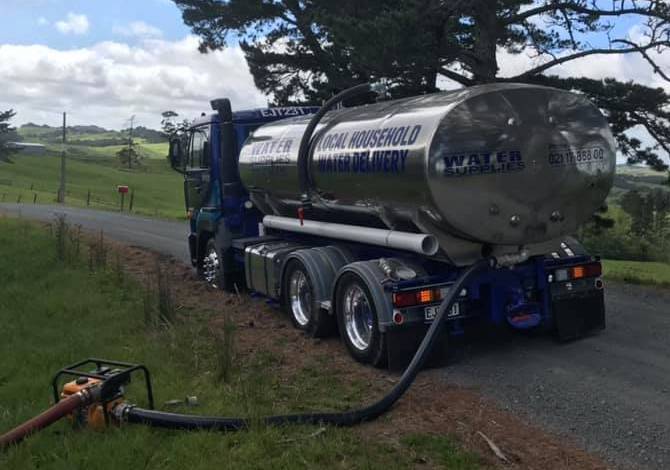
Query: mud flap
(577,316)
(403,342)
(193,248)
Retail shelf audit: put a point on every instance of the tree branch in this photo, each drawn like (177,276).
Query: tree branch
(646,56)
(457,77)
(577,8)
(579,55)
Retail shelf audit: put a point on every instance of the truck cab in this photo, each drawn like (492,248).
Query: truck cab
(216,203)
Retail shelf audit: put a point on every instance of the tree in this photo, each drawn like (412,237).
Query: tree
(168,124)
(303,51)
(649,211)
(7,134)
(129,155)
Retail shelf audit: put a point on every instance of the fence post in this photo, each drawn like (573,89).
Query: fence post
(132,200)
(123,198)
(35,198)
(88,198)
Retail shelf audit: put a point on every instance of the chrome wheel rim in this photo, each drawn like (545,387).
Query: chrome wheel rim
(300,297)
(358,317)
(210,267)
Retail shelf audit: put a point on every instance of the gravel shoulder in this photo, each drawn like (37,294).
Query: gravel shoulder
(609,392)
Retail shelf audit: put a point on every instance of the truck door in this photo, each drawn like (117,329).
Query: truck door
(197,177)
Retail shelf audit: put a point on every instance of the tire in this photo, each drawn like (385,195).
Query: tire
(211,266)
(300,302)
(358,321)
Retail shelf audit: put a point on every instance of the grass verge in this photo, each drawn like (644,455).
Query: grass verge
(58,309)
(638,272)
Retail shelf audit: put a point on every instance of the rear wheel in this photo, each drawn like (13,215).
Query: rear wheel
(300,301)
(358,321)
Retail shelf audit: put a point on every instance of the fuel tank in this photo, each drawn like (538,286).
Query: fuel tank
(502,165)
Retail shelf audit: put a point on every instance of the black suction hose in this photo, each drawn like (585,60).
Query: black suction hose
(347,418)
(303,150)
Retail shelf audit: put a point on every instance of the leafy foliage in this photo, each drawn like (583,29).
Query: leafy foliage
(640,229)
(649,212)
(170,127)
(168,124)
(7,134)
(303,51)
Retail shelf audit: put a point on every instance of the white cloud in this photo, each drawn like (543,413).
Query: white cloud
(42,21)
(138,29)
(105,83)
(74,24)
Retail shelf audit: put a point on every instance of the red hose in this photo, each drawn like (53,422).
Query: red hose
(41,421)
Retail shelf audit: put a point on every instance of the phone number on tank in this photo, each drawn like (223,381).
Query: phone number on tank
(576,157)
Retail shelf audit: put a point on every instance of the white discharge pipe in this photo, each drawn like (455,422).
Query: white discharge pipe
(417,242)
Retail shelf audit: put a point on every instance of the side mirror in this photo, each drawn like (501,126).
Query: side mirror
(177,155)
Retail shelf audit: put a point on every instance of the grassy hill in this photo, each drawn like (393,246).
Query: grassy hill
(93,168)
(633,177)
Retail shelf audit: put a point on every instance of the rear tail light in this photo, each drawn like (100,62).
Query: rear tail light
(404,299)
(426,296)
(423,296)
(578,272)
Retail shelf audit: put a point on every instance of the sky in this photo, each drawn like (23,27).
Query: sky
(103,61)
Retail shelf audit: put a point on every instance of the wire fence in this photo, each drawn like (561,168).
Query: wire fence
(107,199)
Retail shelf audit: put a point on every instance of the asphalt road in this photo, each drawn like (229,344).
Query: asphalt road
(609,393)
(158,235)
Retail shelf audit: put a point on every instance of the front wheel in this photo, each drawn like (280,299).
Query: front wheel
(358,321)
(212,267)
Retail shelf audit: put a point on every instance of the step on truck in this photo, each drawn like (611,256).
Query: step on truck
(358,219)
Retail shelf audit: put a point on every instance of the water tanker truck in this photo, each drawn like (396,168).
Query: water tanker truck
(360,219)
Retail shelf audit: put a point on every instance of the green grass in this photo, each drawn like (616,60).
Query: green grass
(158,189)
(442,451)
(638,272)
(54,314)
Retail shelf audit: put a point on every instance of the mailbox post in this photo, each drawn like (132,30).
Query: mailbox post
(122,190)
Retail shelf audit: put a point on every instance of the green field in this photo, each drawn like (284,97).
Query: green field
(638,272)
(54,313)
(158,189)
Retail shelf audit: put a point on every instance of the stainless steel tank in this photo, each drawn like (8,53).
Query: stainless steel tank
(490,166)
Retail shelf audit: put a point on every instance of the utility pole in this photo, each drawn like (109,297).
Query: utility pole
(61,189)
(130,142)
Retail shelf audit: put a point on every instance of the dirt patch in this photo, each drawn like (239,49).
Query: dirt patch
(430,406)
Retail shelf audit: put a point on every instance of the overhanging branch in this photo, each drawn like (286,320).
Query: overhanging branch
(457,77)
(578,8)
(579,55)
(646,56)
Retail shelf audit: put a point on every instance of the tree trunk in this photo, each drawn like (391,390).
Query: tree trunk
(484,66)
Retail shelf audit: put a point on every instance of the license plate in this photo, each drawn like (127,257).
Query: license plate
(431,312)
